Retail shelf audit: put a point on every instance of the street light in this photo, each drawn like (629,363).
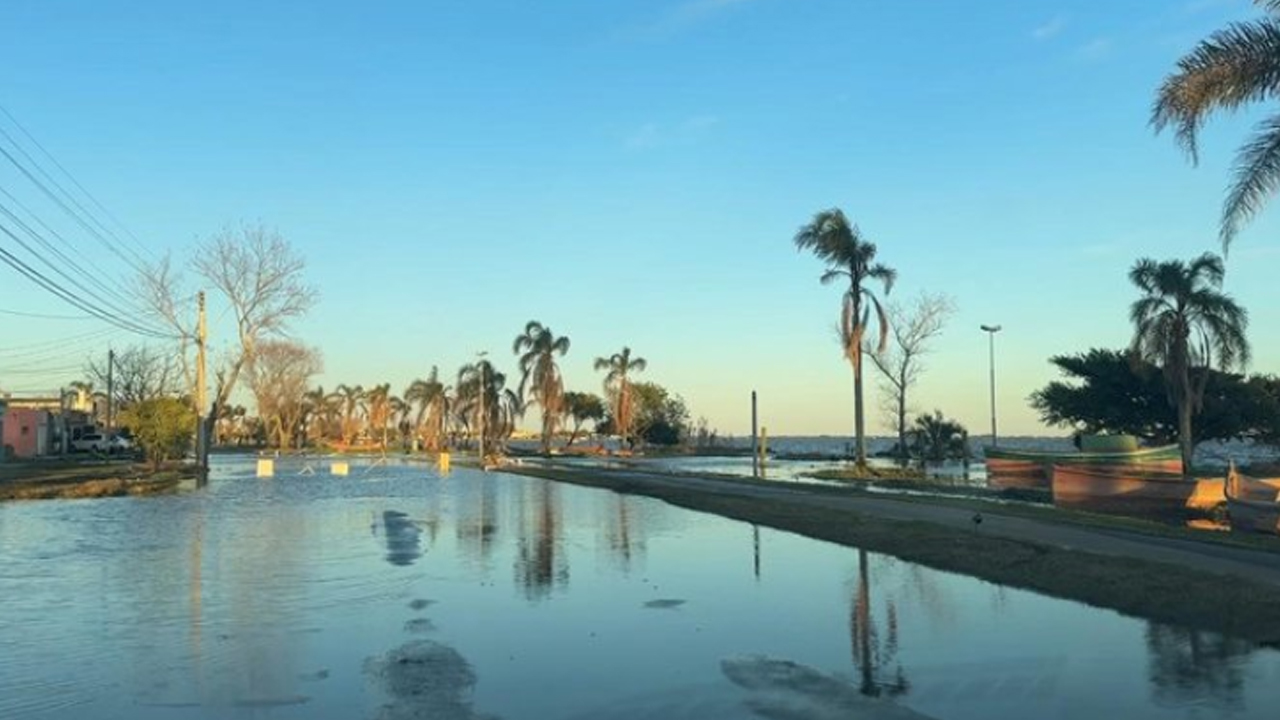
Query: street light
(991,331)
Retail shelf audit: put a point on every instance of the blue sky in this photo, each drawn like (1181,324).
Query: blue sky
(633,172)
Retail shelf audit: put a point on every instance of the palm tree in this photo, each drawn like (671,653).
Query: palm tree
(1236,66)
(831,238)
(348,399)
(617,386)
(378,408)
(432,399)
(1183,323)
(539,374)
(936,438)
(482,388)
(319,414)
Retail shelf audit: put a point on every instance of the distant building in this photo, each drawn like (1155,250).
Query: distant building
(41,425)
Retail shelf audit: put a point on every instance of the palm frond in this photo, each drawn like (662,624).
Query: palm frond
(832,275)
(885,274)
(882,320)
(1234,66)
(1256,178)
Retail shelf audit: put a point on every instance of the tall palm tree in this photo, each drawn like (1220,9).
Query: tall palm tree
(348,399)
(1184,323)
(321,409)
(378,409)
(537,347)
(617,386)
(1236,66)
(431,396)
(486,404)
(849,256)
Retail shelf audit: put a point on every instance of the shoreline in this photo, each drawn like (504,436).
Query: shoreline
(1174,578)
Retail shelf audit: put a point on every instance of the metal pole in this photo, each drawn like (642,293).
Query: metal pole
(991,331)
(991,350)
(755,447)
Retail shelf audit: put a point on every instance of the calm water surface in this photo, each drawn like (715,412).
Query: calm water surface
(395,593)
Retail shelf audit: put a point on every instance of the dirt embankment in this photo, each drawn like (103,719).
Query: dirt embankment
(45,480)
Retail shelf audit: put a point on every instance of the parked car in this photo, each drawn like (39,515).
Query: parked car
(91,442)
(120,444)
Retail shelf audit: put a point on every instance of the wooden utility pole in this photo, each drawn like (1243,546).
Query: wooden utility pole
(755,447)
(111,394)
(201,394)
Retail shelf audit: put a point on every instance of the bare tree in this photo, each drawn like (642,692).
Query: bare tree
(912,327)
(280,375)
(259,276)
(141,373)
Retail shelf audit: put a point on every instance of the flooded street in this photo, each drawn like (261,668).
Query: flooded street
(396,593)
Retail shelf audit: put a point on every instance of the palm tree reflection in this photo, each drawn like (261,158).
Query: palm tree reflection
(541,565)
(625,533)
(1194,667)
(872,656)
(478,523)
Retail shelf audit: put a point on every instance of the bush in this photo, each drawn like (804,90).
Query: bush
(164,428)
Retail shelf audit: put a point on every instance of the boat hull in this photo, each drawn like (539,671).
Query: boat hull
(1253,504)
(1129,491)
(1025,469)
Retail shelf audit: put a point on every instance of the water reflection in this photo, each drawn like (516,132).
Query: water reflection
(401,535)
(874,655)
(1189,667)
(541,565)
(624,532)
(477,518)
(236,602)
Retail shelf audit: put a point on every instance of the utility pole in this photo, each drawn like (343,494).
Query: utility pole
(991,331)
(111,391)
(755,446)
(201,399)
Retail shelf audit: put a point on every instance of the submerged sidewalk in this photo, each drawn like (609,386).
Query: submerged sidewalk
(1199,583)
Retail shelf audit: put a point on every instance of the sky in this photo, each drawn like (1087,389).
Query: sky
(632,174)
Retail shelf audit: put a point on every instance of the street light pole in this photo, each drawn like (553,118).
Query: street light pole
(991,331)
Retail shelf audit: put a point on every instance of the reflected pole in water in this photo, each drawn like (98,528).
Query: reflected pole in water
(861,627)
(755,545)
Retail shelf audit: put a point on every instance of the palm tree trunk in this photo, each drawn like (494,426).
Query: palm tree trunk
(1185,439)
(859,436)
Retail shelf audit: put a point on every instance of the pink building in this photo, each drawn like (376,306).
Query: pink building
(28,432)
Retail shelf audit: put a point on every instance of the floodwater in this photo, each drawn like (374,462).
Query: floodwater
(395,593)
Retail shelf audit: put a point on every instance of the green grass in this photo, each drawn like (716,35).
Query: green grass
(1155,591)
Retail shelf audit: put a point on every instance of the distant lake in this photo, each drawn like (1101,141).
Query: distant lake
(396,593)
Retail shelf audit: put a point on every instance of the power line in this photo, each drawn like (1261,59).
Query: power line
(43,281)
(55,268)
(92,277)
(97,333)
(135,264)
(74,181)
(45,316)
